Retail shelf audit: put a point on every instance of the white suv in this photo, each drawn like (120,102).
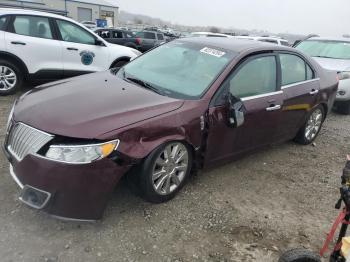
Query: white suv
(42,46)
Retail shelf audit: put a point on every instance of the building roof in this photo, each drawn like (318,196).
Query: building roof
(97,2)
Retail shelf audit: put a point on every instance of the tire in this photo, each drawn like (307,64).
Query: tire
(312,125)
(11,78)
(119,64)
(343,108)
(299,255)
(159,170)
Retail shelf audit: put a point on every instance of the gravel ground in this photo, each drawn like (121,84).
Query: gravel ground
(249,210)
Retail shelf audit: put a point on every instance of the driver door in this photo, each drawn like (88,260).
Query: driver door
(255,82)
(80,52)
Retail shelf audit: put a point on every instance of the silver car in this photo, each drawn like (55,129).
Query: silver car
(332,54)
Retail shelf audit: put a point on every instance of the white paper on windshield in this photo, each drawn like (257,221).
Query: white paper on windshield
(213,52)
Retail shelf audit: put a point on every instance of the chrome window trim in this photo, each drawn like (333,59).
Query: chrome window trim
(300,83)
(262,95)
(15,178)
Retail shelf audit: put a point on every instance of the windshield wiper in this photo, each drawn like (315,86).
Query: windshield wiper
(144,84)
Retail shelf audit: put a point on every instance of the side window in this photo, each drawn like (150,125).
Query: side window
(117,34)
(34,26)
(150,35)
(256,77)
(74,33)
(2,23)
(104,34)
(309,72)
(160,37)
(294,69)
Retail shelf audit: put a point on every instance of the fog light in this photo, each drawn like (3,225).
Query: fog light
(34,197)
(341,92)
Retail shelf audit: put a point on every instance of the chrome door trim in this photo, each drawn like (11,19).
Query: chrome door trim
(262,95)
(300,83)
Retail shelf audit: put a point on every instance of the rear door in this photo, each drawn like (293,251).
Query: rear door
(255,82)
(33,40)
(81,54)
(300,88)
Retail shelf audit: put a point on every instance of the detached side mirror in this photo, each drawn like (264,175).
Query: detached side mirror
(236,111)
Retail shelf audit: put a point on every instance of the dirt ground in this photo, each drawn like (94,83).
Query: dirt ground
(249,210)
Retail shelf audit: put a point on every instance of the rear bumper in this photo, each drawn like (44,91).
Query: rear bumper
(78,192)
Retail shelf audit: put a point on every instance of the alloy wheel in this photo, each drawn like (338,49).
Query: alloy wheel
(8,78)
(170,168)
(313,124)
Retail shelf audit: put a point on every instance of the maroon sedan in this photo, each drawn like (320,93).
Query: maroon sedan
(188,104)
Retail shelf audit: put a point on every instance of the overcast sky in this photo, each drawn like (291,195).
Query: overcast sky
(325,17)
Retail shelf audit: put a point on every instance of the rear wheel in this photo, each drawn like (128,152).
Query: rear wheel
(164,172)
(299,255)
(11,78)
(309,131)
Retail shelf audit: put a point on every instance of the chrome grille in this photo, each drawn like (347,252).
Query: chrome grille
(23,140)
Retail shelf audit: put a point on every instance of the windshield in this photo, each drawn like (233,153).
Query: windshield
(180,69)
(324,48)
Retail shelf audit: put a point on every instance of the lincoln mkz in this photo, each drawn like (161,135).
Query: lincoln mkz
(187,105)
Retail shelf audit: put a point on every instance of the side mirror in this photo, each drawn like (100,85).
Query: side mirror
(236,111)
(99,42)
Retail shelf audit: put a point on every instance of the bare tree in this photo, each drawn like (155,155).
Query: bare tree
(214,29)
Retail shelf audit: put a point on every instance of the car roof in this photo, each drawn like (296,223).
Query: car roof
(208,33)
(235,44)
(14,11)
(343,39)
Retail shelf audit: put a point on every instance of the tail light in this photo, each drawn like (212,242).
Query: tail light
(138,41)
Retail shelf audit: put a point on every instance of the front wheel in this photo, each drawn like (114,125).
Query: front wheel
(11,78)
(164,171)
(299,255)
(309,131)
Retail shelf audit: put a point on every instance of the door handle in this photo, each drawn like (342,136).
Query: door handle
(314,92)
(18,43)
(273,108)
(72,49)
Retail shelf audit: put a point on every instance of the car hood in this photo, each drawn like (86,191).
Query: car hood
(114,48)
(89,106)
(338,65)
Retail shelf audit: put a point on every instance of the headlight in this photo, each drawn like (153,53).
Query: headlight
(344,75)
(11,115)
(81,154)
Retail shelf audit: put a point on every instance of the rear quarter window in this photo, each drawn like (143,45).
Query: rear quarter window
(148,35)
(2,23)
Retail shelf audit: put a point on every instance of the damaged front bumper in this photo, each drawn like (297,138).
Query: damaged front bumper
(67,191)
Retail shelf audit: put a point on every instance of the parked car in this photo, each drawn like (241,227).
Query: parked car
(267,39)
(190,103)
(89,24)
(120,37)
(42,46)
(207,34)
(149,39)
(333,54)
